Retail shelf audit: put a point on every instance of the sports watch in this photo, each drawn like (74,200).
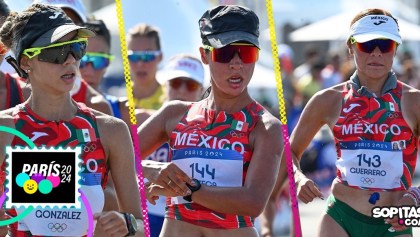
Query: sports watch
(194,188)
(131,223)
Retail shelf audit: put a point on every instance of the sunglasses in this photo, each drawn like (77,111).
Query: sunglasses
(97,60)
(190,84)
(385,45)
(144,56)
(58,53)
(247,52)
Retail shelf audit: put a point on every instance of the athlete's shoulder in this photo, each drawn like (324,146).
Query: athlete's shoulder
(268,123)
(335,90)
(328,97)
(112,130)
(267,117)
(105,119)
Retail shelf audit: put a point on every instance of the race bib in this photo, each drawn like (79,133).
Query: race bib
(65,221)
(212,167)
(371,164)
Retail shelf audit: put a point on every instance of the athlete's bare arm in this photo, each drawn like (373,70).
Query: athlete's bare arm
(411,108)
(154,132)
(323,108)
(411,111)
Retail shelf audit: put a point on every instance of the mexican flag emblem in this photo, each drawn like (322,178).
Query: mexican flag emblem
(391,106)
(239,126)
(86,135)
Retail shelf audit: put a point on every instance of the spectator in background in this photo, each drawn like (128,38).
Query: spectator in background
(286,60)
(182,78)
(410,74)
(347,68)
(289,86)
(310,83)
(331,74)
(144,55)
(311,57)
(95,63)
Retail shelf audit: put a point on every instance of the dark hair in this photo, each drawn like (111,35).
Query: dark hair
(370,11)
(145,30)
(13,28)
(4,9)
(99,27)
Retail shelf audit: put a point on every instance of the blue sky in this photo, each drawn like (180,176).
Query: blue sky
(299,12)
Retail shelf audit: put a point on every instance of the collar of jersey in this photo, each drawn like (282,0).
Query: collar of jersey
(390,84)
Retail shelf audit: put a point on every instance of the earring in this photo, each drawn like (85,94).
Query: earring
(27,70)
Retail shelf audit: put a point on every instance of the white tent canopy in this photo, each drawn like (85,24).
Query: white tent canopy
(336,28)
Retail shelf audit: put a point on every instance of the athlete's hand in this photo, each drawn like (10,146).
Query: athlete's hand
(307,190)
(112,222)
(153,191)
(168,176)
(395,226)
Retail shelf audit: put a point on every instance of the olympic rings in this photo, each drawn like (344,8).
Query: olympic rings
(235,134)
(57,227)
(89,148)
(393,115)
(367,180)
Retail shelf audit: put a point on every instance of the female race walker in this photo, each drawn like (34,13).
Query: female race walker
(366,114)
(225,149)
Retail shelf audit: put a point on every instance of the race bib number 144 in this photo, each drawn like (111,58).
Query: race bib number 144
(212,167)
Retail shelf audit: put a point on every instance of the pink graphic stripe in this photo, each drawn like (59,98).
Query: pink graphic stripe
(292,185)
(139,171)
(3,196)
